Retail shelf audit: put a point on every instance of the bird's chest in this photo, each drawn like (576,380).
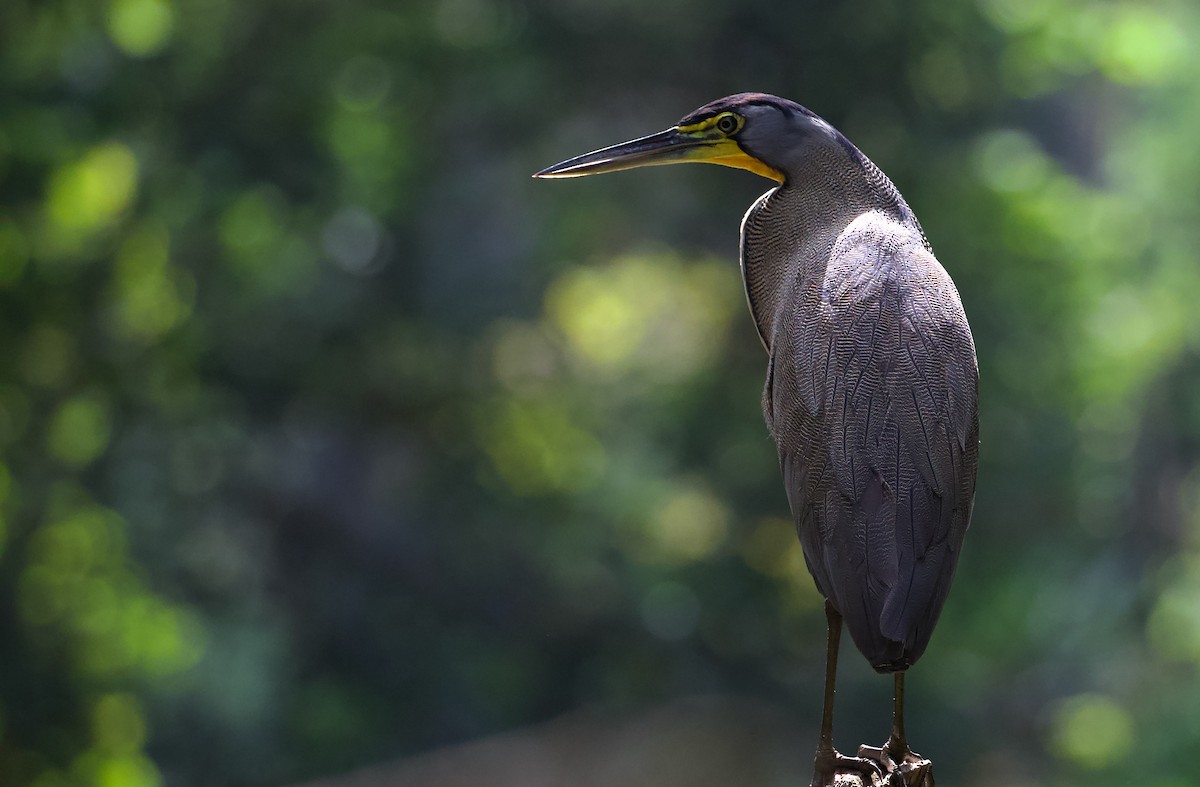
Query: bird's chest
(786,240)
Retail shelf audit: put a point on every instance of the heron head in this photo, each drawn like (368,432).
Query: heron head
(747,131)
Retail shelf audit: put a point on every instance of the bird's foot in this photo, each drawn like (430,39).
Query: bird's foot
(832,769)
(901,766)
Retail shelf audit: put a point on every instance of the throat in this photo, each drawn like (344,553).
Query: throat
(787,236)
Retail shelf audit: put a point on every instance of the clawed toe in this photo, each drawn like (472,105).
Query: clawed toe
(902,768)
(828,766)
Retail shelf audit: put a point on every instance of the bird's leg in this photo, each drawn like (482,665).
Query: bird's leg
(904,767)
(829,762)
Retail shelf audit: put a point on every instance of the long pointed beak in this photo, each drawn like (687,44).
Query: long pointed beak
(666,147)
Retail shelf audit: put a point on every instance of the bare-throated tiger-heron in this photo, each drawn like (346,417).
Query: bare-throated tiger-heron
(872,383)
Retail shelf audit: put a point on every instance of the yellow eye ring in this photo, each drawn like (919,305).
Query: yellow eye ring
(729,123)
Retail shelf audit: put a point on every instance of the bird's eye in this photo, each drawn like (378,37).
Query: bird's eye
(727,124)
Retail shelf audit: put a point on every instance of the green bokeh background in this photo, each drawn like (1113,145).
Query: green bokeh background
(329,437)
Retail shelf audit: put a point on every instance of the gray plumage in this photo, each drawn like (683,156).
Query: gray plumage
(871,391)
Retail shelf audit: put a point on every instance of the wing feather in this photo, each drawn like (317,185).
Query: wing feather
(872,401)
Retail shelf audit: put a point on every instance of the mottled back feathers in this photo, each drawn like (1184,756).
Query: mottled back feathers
(871,394)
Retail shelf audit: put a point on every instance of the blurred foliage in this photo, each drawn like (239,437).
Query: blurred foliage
(329,436)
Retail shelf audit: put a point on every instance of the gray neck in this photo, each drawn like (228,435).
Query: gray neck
(827,168)
(788,234)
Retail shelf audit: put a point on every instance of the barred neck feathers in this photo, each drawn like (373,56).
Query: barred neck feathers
(787,234)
